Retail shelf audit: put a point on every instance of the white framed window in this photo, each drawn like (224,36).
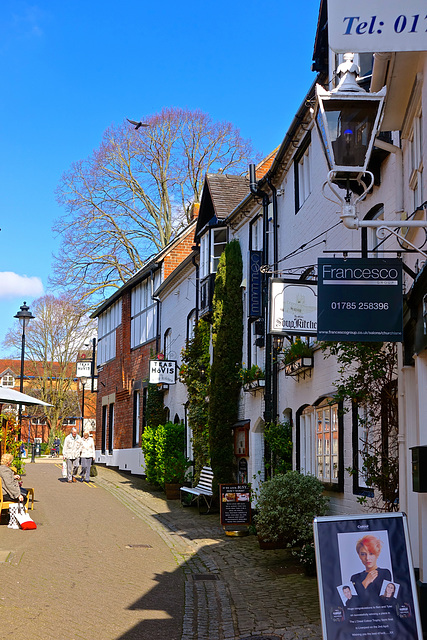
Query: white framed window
(302,172)
(136,418)
(257,239)
(306,442)
(416,161)
(327,446)
(167,343)
(204,256)
(363,441)
(212,244)
(304,176)
(107,325)
(191,324)
(8,380)
(143,325)
(257,350)
(69,422)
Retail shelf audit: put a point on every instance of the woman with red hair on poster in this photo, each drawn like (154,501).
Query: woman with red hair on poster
(368,583)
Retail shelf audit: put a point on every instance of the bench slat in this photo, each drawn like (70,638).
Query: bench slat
(203,488)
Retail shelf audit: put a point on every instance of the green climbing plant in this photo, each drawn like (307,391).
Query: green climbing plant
(368,378)
(227,342)
(195,374)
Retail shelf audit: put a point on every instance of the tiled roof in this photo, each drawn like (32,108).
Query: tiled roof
(32,369)
(226,192)
(265,164)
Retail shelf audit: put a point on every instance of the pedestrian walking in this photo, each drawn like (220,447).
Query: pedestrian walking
(71,453)
(87,455)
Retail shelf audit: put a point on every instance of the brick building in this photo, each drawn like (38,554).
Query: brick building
(128,335)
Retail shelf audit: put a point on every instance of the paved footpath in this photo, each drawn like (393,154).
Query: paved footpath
(115,561)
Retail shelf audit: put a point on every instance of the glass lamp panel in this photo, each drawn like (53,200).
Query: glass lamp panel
(350,126)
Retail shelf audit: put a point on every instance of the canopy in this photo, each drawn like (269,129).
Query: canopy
(16,397)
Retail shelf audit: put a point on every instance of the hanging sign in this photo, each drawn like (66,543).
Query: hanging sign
(235,504)
(360,300)
(377,25)
(255,284)
(293,308)
(367,586)
(84,369)
(162,371)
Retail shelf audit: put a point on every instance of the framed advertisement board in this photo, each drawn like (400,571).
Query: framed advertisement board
(366,579)
(162,371)
(235,500)
(360,299)
(292,307)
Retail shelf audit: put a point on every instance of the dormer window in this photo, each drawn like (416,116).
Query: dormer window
(212,244)
(7,380)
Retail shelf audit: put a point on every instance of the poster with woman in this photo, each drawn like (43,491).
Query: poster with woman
(366,578)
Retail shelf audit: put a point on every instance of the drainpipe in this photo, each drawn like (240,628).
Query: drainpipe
(193,260)
(275,368)
(253,186)
(157,300)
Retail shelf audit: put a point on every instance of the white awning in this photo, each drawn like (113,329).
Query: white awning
(16,397)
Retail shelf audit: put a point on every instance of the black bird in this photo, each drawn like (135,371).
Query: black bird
(137,124)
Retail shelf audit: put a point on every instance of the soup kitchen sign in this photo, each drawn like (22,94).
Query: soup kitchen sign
(293,308)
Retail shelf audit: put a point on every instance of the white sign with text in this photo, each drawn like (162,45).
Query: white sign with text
(377,25)
(163,371)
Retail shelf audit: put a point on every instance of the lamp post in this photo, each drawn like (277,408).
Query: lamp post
(24,315)
(83,381)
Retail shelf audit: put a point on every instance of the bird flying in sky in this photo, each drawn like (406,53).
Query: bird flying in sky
(137,124)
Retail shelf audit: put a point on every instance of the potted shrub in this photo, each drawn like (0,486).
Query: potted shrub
(286,507)
(172,463)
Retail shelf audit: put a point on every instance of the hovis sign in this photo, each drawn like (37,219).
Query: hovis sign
(360,300)
(377,25)
(162,371)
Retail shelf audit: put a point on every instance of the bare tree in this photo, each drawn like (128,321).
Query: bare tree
(134,193)
(60,328)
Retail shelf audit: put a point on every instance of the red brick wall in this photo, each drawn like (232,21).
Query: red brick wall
(129,366)
(118,377)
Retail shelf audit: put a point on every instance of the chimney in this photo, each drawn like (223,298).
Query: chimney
(194,211)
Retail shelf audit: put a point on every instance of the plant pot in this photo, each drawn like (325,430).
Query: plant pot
(172,490)
(267,544)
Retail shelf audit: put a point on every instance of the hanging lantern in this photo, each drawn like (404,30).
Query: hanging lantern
(348,119)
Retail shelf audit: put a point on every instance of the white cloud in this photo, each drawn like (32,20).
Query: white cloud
(13,285)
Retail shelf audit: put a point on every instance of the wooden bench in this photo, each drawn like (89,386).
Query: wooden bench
(5,504)
(203,489)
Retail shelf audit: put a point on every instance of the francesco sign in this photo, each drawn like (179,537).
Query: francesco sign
(360,300)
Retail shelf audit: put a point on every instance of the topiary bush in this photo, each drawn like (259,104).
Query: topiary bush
(227,342)
(148,445)
(171,462)
(286,508)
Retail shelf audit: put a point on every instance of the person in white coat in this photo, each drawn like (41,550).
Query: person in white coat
(71,453)
(87,455)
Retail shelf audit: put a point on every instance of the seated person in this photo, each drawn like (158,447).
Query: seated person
(12,492)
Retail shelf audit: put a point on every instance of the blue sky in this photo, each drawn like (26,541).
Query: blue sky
(70,69)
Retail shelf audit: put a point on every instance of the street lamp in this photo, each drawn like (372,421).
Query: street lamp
(24,315)
(83,381)
(348,120)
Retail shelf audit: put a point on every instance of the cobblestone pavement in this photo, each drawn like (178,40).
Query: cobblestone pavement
(151,570)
